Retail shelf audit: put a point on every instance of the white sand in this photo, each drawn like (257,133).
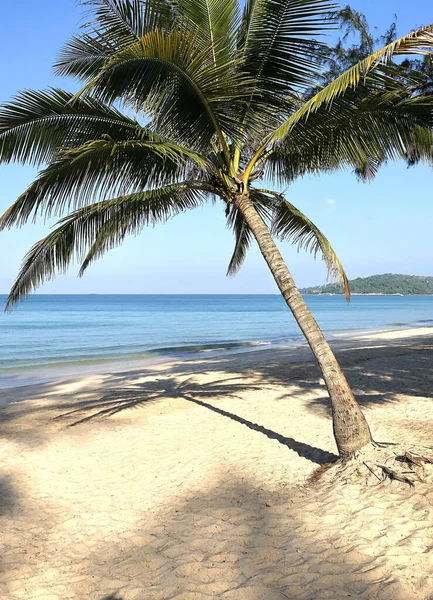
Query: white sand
(187,481)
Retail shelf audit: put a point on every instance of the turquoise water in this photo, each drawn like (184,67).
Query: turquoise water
(50,333)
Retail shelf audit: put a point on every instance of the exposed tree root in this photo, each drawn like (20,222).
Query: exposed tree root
(378,463)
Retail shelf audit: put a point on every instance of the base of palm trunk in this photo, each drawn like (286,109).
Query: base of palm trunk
(377,463)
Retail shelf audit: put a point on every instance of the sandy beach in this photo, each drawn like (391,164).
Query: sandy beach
(188,481)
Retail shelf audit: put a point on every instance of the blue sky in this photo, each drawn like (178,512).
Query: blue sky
(384,226)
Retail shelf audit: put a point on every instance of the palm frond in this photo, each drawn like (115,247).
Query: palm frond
(99,169)
(215,23)
(357,132)
(280,49)
(246,20)
(264,205)
(91,231)
(419,41)
(148,208)
(290,224)
(121,20)
(36,124)
(243,239)
(83,56)
(113,25)
(167,76)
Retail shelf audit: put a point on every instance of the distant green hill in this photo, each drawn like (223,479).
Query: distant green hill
(388,283)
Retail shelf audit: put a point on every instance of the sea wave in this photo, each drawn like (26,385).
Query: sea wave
(135,354)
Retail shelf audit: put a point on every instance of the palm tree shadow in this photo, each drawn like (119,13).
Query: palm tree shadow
(143,394)
(316,455)
(374,374)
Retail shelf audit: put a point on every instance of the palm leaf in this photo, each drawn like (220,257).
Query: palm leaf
(36,124)
(98,169)
(160,205)
(215,23)
(113,24)
(243,239)
(83,56)
(278,40)
(98,228)
(357,132)
(290,224)
(419,41)
(167,76)
(122,20)
(243,234)
(245,23)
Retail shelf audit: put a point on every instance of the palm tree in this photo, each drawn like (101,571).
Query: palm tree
(185,101)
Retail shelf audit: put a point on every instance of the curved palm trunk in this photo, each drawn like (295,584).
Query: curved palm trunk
(351,430)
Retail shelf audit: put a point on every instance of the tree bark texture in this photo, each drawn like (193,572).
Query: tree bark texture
(350,427)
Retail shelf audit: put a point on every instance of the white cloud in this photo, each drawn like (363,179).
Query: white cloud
(331,201)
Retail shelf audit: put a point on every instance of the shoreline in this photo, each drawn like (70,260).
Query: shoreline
(34,375)
(298,351)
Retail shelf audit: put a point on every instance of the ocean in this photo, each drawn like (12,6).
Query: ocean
(48,336)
